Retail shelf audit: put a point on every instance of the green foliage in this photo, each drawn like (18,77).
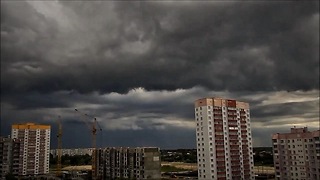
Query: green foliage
(180,155)
(67,160)
(263,156)
(10,176)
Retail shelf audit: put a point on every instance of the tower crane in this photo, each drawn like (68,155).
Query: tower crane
(59,136)
(93,127)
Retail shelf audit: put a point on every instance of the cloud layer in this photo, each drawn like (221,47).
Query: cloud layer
(139,66)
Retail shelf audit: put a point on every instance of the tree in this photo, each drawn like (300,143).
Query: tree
(10,176)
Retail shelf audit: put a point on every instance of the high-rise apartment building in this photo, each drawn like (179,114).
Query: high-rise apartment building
(10,157)
(297,154)
(224,142)
(35,142)
(129,163)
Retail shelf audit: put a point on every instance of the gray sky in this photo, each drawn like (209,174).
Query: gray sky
(139,66)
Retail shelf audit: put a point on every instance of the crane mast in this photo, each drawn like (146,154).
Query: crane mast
(93,128)
(59,136)
(94,152)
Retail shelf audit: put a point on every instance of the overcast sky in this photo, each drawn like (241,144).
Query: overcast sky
(138,67)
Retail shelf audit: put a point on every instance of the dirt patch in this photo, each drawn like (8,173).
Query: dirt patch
(182,165)
(193,167)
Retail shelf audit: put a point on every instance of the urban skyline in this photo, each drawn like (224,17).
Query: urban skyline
(138,67)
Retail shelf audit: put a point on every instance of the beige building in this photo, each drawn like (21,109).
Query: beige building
(10,157)
(35,142)
(129,163)
(297,154)
(224,142)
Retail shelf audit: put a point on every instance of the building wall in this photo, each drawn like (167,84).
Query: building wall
(35,140)
(297,154)
(224,143)
(10,156)
(72,152)
(132,163)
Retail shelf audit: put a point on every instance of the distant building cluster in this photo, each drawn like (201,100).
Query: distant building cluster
(26,152)
(129,163)
(297,154)
(72,152)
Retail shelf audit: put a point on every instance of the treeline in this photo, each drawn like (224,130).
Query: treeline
(179,155)
(262,156)
(67,160)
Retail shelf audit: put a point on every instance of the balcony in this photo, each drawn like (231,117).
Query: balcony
(219,146)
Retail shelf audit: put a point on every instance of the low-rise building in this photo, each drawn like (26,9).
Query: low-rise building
(72,152)
(10,157)
(131,163)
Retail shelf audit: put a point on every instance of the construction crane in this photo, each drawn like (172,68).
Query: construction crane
(93,128)
(59,136)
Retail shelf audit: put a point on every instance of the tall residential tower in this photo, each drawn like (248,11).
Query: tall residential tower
(35,142)
(224,142)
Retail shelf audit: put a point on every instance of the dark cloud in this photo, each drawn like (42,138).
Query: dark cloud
(95,56)
(244,46)
(292,109)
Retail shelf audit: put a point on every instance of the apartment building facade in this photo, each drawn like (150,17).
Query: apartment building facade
(35,143)
(72,152)
(297,154)
(10,157)
(224,141)
(129,163)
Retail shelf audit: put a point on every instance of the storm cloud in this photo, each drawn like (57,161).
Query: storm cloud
(139,66)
